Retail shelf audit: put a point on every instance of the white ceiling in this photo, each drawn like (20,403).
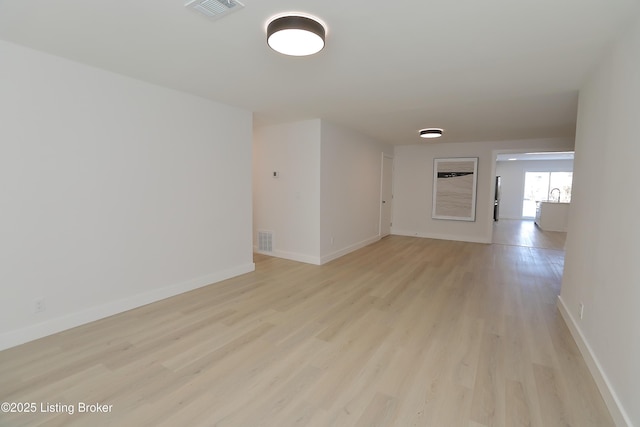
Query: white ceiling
(482,70)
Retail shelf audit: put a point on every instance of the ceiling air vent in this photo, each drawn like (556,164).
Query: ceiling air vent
(214,9)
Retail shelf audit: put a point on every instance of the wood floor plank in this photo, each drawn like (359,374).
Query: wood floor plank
(518,406)
(554,402)
(379,413)
(404,332)
(489,397)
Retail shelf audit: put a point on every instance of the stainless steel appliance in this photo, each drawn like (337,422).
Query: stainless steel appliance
(496,201)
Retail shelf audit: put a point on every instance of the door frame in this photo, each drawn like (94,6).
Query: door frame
(385,203)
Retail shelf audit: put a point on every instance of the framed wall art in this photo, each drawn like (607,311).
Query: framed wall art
(454,188)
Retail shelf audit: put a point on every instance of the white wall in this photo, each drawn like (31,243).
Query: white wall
(602,251)
(288,206)
(413,186)
(350,190)
(114,193)
(328,187)
(512,182)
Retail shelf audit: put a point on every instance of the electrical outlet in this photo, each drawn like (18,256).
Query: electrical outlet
(39,306)
(331,240)
(581,310)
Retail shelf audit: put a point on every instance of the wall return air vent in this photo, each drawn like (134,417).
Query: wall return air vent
(214,9)
(265,241)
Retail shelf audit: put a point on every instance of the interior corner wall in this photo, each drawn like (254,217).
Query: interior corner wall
(513,177)
(602,251)
(114,193)
(351,168)
(288,205)
(413,186)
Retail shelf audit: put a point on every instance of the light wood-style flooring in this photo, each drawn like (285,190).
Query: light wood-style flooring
(526,233)
(404,332)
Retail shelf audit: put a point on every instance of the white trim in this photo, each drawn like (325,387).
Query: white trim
(62,323)
(293,256)
(308,259)
(518,218)
(388,157)
(458,238)
(342,252)
(619,415)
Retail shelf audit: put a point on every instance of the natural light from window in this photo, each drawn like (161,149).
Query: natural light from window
(545,187)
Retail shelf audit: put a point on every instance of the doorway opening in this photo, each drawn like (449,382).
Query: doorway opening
(386,195)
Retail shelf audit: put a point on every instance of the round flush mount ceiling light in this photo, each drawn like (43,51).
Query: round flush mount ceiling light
(296,35)
(431,133)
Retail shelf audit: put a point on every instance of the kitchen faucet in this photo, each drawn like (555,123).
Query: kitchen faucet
(551,194)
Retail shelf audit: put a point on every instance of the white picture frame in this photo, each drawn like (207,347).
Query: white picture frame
(455,183)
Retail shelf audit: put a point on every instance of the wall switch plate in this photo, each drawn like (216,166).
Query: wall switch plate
(581,310)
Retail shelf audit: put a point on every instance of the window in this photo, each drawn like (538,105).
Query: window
(543,187)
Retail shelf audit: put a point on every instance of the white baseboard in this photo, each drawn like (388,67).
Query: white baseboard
(309,259)
(342,252)
(293,256)
(617,411)
(62,323)
(455,237)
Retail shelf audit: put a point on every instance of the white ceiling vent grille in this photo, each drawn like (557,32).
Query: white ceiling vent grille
(214,9)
